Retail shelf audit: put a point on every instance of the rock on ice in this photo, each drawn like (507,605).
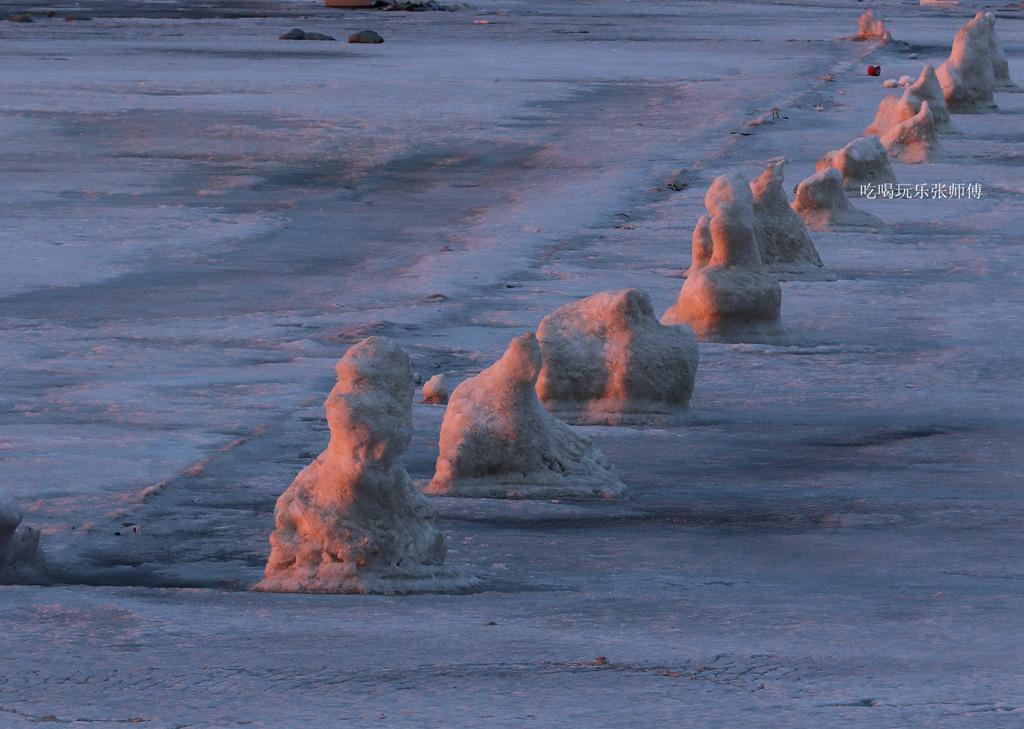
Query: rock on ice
(726,293)
(607,359)
(498,441)
(352,520)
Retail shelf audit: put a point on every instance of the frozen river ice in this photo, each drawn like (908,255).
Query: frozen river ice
(199,218)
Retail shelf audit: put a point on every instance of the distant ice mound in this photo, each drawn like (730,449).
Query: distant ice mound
(607,359)
(498,441)
(968,77)
(352,520)
(863,161)
(871,27)
(785,247)
(19,544)
(728,295)
(894,110)
(913,141)
(1000,65)
(436,390)
(822,204)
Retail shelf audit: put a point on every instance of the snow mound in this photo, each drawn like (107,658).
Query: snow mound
(894,110)
(728,296)
(19,545)
(861,162)
(782,239)
(822,204)
(436,390)
(352,520)
(607,359)
(871,27)
(913,141)
(498,441)
(1000,64)
(968,77)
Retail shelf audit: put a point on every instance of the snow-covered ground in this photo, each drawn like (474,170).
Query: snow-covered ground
(198,218)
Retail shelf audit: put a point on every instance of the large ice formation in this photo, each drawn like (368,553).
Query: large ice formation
(607,359)
(861,162)
(728,295)
(782,238)
(352,520)
(871,27)
(968,76)
(498,441)
(822,204)
(913,141)
(893,110)
(19,544)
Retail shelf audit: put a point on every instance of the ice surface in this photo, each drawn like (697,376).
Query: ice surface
(833,540)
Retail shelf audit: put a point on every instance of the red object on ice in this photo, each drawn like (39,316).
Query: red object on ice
(874,70)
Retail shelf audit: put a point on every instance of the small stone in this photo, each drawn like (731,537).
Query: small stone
(365,36)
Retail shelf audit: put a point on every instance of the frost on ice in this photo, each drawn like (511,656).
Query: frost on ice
(968,76)
(782,239)
(728,295)
(352,520)
(607,359)
(822,204)
(871,27)
(863,161)
(893,110)
(19,544)
(913,141)
(498,441)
